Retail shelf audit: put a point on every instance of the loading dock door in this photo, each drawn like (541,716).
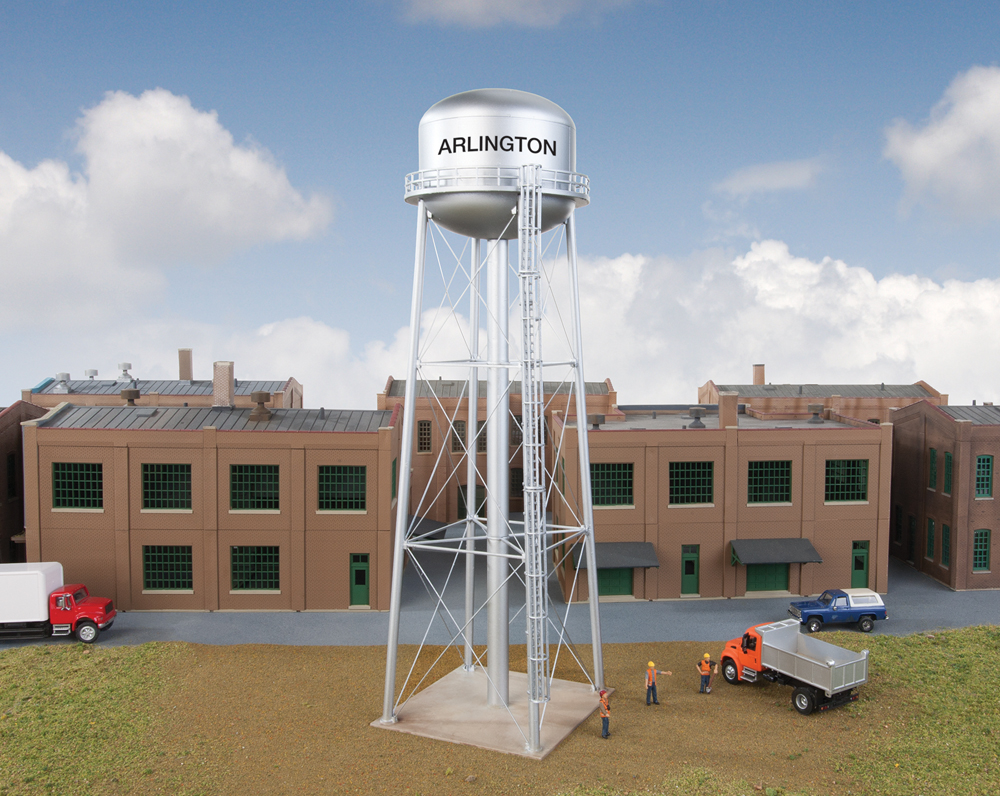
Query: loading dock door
(614,581)
(767,577)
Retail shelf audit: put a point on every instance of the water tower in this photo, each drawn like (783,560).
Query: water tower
(495,166)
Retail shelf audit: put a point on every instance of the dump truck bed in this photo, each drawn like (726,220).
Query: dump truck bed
(825,666)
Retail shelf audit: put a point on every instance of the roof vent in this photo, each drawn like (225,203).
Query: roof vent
(125,374)
(697,412)
(322,413)
(61,387)
(883,386)
(595,421)
(260,412)
(815,409)
(800,389)
(130,396)
(90,374)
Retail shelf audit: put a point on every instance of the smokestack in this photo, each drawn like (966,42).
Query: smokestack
(223,385)
(186,367)
(758,374)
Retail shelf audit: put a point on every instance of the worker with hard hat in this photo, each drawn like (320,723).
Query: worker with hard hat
(605,714)
(705,666)
(651,672)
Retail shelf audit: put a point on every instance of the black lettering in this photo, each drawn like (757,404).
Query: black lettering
(534,146)
(490,142)
(546,152)
(520,140)
(444,146)
(457,144)
(480,144)
(507,143)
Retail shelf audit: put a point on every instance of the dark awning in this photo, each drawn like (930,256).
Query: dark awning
(774,551)
(620,555)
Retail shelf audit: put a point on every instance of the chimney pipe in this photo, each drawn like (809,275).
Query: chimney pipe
(260,412)
(184,361)
(223,385)
(758,374)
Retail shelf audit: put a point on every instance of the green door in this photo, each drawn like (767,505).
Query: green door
(689,569)
(859,567)
(359,579)
(480,501)
(614,581)
(767,577)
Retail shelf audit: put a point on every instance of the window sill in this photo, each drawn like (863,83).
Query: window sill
(255,511)
(166,511)
(779,503)
(982,571)
(845,502)
(691,506)
(616,506)
(341,511)
(77,511)
(168,591)
(255,591)
(985,497)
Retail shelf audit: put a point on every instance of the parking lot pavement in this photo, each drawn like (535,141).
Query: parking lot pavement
(915,603)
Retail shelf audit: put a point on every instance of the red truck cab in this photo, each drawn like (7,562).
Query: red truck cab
(73,610)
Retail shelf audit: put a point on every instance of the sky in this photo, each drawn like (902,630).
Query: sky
(815,187)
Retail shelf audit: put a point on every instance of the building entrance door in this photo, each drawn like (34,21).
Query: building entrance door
(689,569)
(859,568)
(359,579)
(767,577)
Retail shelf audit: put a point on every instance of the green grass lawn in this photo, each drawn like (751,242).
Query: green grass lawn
(76,719)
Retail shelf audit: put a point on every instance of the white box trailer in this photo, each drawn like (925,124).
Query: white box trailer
(25,590)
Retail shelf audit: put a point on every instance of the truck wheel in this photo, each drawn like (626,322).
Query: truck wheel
(866,624)
(814,625)
(730,672)
(87,632)
(804,700)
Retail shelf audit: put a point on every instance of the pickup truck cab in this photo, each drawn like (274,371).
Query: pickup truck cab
(840,606)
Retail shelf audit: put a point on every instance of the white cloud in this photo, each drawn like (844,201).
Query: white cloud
(489,13)
(953,160)
(786,175)
(163,183)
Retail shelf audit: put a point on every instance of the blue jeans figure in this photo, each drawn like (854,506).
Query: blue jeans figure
(604,727)
(704,683)
(651,692)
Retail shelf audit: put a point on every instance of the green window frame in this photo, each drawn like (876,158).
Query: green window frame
(255,568)
(984,476)
(423,436)
(393,474)
(254,487)
(981,550)
(167,567)
(947,472)
(342,487)
(481,437)
(516,485)
(611,483)
(929,552)
(166,486)
(945,545)
(769,482)
(516,431)
(77,485)
(691,483)
(932,469)
(846,480)
(458,436)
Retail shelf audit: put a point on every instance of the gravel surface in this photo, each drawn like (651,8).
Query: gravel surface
(295,720)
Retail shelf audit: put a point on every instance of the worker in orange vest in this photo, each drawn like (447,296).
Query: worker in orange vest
(605,714)
(705,670)
(651,673)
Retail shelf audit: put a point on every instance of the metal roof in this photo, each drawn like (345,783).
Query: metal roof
(775,551)
(179,418)
(620,555)
(161,386)
(827,390)
(979,415)
(457,388)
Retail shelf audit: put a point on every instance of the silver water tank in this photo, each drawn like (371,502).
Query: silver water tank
(472,147)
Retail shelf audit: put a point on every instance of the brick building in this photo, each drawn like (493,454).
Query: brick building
(12,480)
(944,494)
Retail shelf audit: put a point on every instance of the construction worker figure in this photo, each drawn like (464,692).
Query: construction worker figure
(605,715)
(705,670)
(651,673)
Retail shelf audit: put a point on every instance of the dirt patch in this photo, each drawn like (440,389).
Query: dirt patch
(269,719)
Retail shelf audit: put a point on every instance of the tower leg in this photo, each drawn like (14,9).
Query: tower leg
(470,470)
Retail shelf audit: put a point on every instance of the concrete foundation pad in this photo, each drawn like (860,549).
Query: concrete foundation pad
(454,709)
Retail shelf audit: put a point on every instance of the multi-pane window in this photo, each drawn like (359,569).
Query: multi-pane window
(846,480)
(984,476)
(611,484)
(930,539)
(481,437)
(166,486)
(342,487)
(516,431)
(945,545)
(254,568)
(932,469)
(458,436)
(691,482)
(11,475)
(423,436)
(769,482)
(947,473)
(77,485)
(516,481)
(166,567)
(253,487)
(981,550)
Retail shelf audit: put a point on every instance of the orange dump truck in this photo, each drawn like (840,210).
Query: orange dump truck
(823,675)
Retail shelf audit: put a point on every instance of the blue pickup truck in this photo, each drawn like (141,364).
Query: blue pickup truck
(840,606)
